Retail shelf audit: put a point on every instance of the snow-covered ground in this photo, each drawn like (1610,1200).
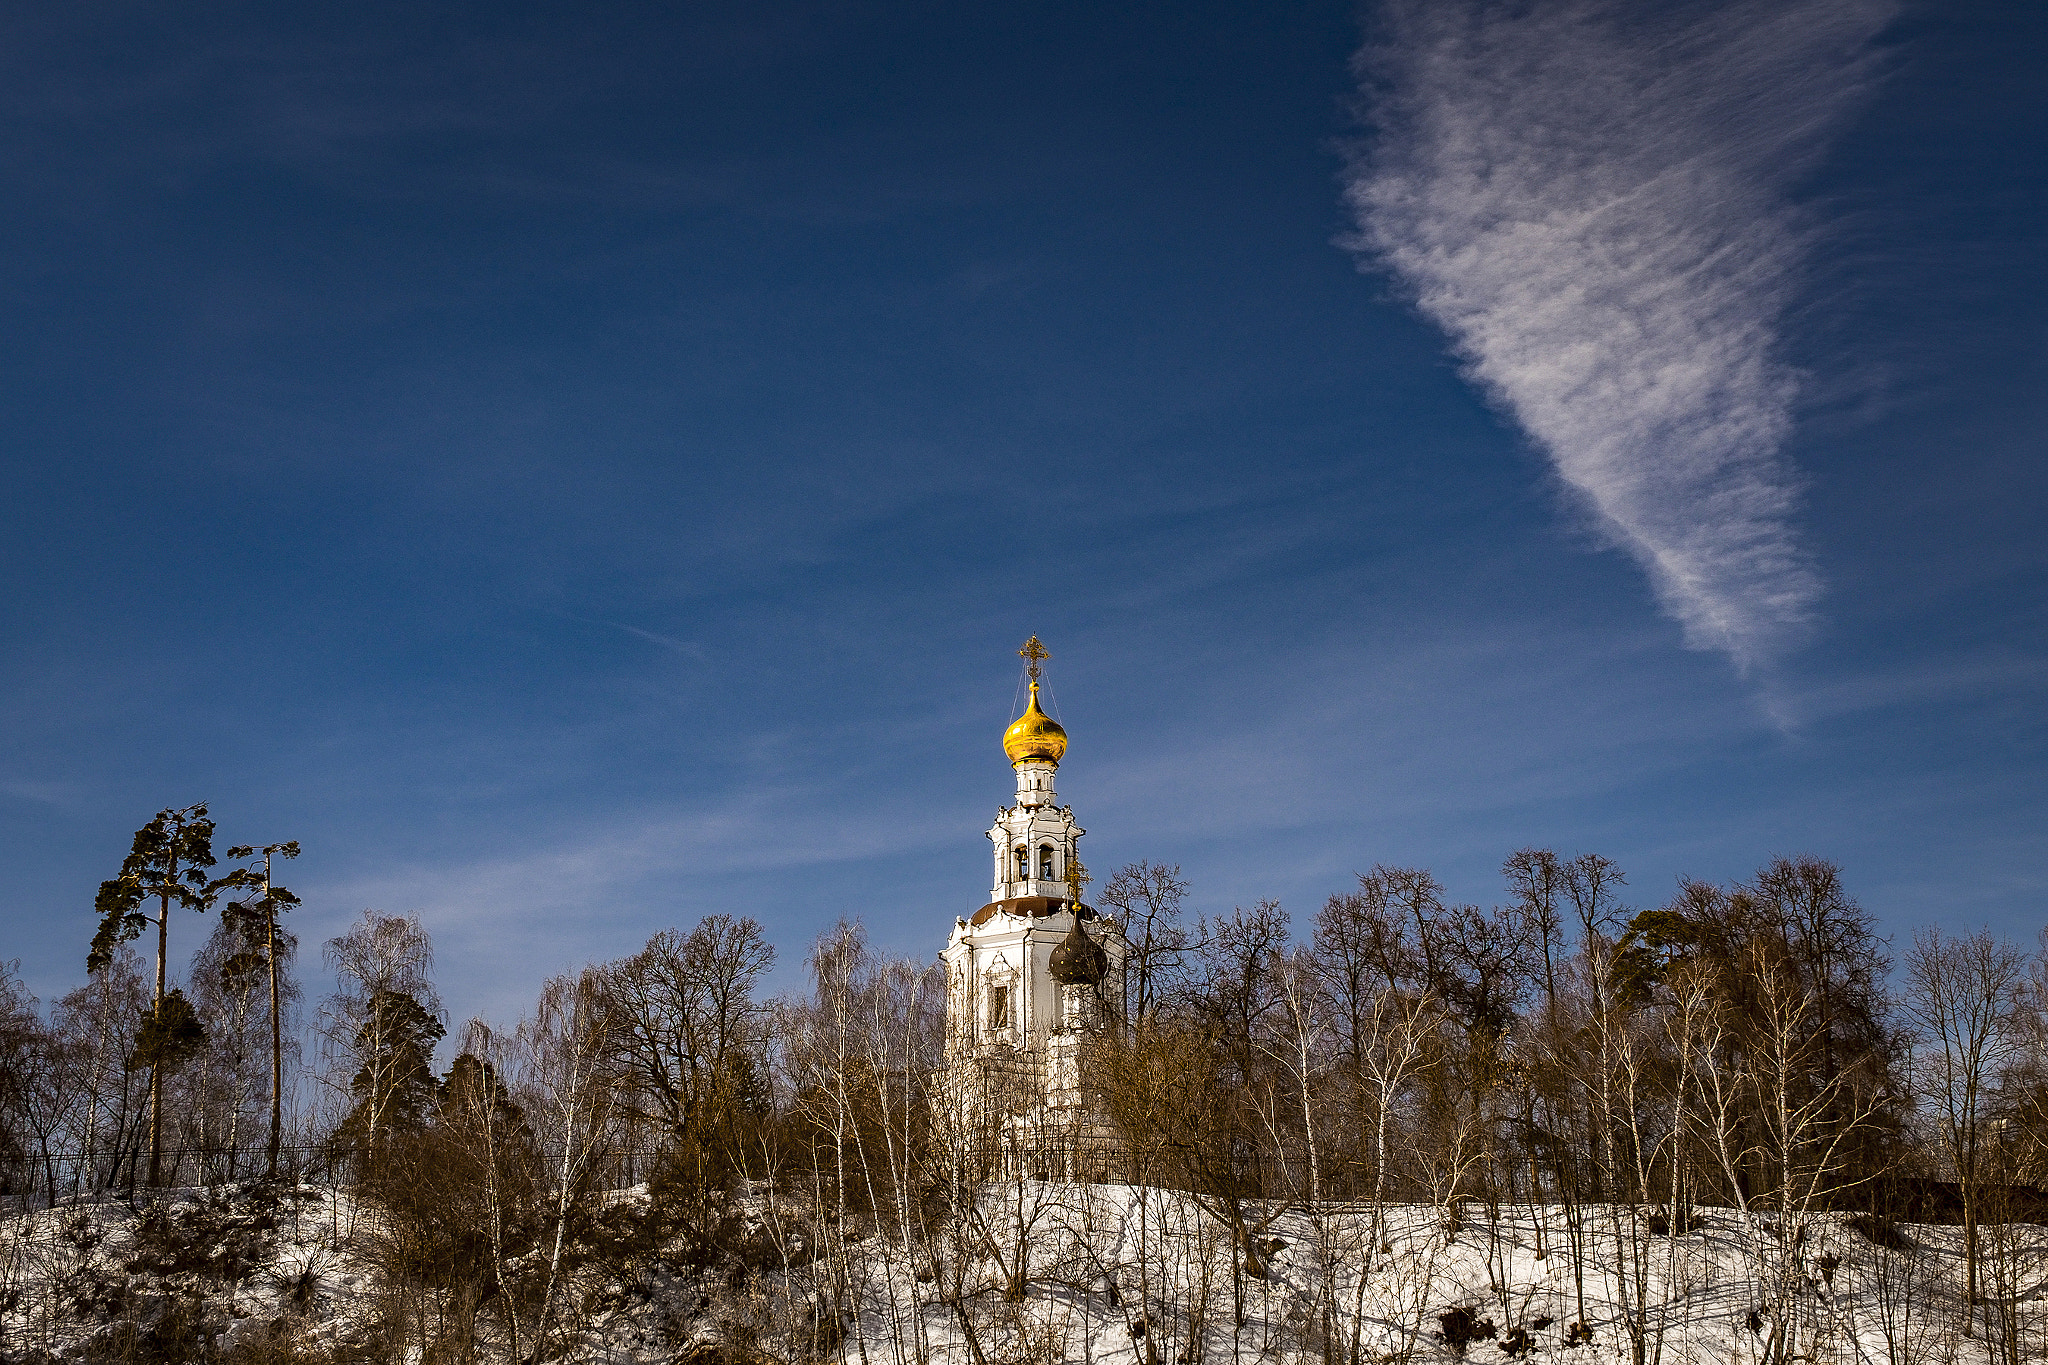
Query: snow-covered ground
(1109,1274)
(199,1265)
(1114,1269)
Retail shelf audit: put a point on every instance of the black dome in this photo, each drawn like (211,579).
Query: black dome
(1078,960)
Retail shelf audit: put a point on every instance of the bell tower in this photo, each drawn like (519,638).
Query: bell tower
(1034,839)
(1032,974)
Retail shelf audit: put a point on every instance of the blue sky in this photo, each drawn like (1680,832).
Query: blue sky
(580,472)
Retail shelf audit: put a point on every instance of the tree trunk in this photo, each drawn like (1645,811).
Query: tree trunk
(276,1027)
(156,1066)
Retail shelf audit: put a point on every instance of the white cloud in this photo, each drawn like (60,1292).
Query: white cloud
(1592,205)
(505,921)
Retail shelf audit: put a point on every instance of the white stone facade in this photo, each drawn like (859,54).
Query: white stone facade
(1000,995)
(1034,839)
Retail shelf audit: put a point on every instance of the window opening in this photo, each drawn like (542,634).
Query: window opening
(1045,862)
(998,1007)
(1023,863)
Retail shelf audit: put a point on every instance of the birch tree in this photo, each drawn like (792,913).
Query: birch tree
(567,1073)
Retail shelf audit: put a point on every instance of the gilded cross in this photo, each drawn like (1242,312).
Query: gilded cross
(1033,655)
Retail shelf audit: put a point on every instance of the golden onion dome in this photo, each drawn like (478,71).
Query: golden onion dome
(1034,734)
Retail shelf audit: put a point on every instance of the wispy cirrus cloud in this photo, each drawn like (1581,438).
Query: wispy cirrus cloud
(1591,202)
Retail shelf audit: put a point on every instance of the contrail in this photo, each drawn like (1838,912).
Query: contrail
(1590,202)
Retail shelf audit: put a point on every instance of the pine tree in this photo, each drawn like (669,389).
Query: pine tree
(393,1085)
(269,947)
(172,1034)
(167,863)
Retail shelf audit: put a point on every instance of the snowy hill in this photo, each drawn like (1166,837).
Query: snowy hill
(1043,1271)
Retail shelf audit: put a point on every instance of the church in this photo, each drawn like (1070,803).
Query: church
(1033,979)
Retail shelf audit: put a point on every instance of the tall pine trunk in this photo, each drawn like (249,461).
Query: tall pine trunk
(156,1065)
(276,1027)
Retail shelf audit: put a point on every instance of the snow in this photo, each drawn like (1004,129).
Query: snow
(1115,1274)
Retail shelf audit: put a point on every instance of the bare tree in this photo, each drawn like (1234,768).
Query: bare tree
(24,1055)
(1963,996)
(223,1090)
(566,1072)
(826,1058)
(1536,880)
(98,1019)
(1305,1052)
(1240,955)
(1782,1129)
(1147,899)
(687,1024)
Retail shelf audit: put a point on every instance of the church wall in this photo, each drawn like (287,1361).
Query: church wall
(1023,947)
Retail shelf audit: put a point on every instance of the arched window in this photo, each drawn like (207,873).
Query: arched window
(1045,861)
(1023,863)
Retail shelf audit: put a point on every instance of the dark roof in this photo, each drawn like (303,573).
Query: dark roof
(1079,959)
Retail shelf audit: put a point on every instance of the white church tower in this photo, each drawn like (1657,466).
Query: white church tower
(1032,976)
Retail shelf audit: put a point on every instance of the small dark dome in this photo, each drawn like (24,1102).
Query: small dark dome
(1079,959)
